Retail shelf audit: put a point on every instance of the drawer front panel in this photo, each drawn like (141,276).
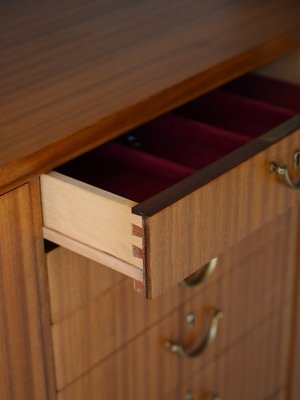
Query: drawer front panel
(203,224)
(255,369)
(75,280)
(254,366)
(111,320)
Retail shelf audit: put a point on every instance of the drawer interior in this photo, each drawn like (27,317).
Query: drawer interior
(111,205)
(161,153)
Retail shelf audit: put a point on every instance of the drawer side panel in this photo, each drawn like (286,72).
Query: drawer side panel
(91,216)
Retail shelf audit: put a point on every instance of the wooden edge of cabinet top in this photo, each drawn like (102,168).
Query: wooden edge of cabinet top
(75,74)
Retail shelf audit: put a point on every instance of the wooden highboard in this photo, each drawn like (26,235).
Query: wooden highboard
(76,74)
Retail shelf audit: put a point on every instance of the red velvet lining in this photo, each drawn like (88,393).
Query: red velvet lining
(236,113)
(125,171)
(278,93)
(172,147)
(187,142)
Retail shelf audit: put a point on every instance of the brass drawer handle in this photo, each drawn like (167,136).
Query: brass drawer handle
(210,396)
(206,271)
(282,170)
(177,348)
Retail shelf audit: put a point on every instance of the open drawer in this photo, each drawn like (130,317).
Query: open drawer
(163,200)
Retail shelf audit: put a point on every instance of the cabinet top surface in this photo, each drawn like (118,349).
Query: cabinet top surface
(77,73)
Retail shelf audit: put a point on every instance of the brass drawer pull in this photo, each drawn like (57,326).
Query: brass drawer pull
(210,396)
(206,271)
(282,170)
(178,349)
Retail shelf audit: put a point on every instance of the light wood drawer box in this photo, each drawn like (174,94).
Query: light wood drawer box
(222,194)
(86,337)
(255,369)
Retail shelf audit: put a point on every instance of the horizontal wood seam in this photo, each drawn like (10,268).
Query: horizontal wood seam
(211,361)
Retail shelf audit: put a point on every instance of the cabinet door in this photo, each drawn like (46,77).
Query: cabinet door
(24,343)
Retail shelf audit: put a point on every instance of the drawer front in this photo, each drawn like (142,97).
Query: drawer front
(85,338)
(144,369)
(206,222)
(75,280)
(255,369)
(195,182)
(294,378)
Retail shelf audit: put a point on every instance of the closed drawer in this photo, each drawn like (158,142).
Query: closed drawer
(144,369)
(245,287)
(255,369)
(171,195)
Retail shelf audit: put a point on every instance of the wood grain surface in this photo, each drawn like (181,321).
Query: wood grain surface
(75,74)
(91,216)
(25,342)
(203,224)
(255,269)
(144,369)
(294,368)
(75,280)
(252,370)
(294,389)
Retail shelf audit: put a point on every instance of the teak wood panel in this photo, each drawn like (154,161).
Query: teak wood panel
(255,369)
(281,395)
(75,74)
(294,383)
(203,224)
(144,369)
(92,216)
(25,345)
(295,371)
(87,337)
(75,280)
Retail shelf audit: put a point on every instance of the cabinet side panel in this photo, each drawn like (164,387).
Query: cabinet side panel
(25,352)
